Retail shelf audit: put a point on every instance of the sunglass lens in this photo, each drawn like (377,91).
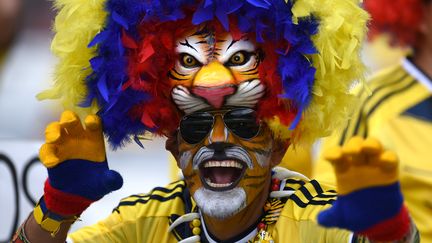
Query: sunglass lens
(242,122)
(195,127)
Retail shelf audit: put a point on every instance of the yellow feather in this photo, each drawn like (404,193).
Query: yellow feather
(76,24)
(338,63)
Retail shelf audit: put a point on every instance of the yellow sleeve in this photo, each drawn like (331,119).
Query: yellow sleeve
(107,230)
(115,229)
(138,218)
(308,231)
(298,219)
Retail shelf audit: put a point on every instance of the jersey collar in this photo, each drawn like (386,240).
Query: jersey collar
(417,73)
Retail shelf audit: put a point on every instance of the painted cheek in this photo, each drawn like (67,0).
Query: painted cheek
(185,81)
(257,178)
(254,181)
(192,178)
(241,78)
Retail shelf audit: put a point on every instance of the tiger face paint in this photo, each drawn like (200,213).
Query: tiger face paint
(225,157)
(225,172)
(215,70)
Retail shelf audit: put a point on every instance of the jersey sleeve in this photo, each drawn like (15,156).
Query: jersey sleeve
(298,219)
(138,218)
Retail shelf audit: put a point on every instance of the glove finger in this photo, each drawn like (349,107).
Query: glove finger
(371,146)
(353,150)
(48,155)
(389,161)
(93,123)
(353,146)
(336,157)
(53,133)
(71,122)
(94,129)
(330,218)
(112,181)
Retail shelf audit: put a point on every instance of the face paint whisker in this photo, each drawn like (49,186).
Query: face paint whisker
(254,73)
(170,75)
(263,158)
(240,154)
(202,155)
(185,158)
(177,72)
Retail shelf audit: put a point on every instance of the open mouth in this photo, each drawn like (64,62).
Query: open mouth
(221,175)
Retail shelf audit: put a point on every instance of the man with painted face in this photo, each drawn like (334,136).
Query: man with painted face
(231,86)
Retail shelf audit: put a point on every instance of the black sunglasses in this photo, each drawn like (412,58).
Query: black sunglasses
(242,122)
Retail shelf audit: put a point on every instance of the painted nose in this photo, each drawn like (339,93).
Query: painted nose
(219,133)
(212,75)
(213,83)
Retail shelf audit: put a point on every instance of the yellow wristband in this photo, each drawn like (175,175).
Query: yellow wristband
(49,221)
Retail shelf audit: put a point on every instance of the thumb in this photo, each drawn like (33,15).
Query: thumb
(331,217)
(112,181)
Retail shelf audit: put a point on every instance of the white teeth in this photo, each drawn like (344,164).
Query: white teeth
(224,163)
(217,185)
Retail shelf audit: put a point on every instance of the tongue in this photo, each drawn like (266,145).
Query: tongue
(222,175)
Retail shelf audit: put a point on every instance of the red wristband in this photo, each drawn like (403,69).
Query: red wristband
(391,229)
(63,203)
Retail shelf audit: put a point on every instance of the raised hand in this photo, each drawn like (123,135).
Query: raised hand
(68,139)
(369,201)
(78,173)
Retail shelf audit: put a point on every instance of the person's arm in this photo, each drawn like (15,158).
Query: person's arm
(369,202)
(30,231)
(78,175)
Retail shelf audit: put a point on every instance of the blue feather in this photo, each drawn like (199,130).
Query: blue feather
(269,20)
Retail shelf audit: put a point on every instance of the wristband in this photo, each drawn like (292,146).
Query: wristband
(49,221)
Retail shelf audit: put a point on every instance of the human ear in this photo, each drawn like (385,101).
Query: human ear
(171,145)
(278,151)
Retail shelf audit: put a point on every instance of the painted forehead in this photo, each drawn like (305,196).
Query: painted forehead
(207,45)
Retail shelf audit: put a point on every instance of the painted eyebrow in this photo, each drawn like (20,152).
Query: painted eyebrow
(243,37)
(186,43)
(231,44)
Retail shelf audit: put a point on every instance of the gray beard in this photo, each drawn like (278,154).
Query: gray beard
(220,205)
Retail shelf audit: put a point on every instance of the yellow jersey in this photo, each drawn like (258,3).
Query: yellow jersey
(399,114)
(147,217)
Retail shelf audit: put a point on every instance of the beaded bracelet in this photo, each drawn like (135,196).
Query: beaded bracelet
(20,236)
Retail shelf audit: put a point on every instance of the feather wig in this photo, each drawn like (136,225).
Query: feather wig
(114,56)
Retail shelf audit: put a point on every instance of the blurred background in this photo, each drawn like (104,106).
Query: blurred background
(26,67)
